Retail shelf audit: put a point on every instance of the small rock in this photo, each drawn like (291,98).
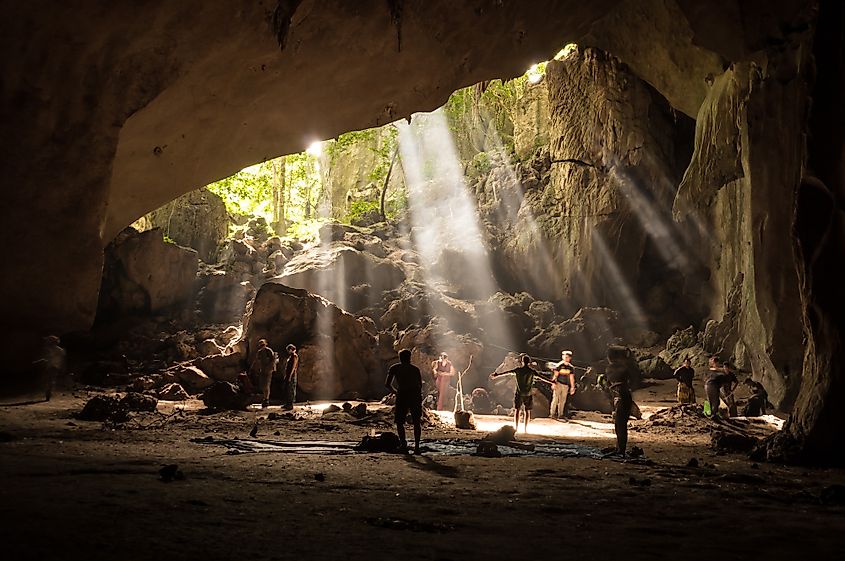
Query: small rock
(692,463)
(487,449)
(358,411)
(332,409)
(254,432)
(320,476)
(635,452)
(173,392)
(273,416)
(134,401)
(464,420)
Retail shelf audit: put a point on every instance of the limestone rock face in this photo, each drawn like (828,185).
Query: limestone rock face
(145,274)
(345,275)
(197,220)
(593,225)
(741,185)
(338,355)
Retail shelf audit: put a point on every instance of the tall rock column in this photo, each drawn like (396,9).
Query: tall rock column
(580,239)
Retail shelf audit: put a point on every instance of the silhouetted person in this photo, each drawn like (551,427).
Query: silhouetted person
(51,363)
(522,397)
(563,385)
(262,369)
(759,400)
(713,380)
(618,378)
(726,389)
(684,374)
(289,376)
(408,396)
(442,370)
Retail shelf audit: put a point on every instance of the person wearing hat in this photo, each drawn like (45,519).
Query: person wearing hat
(684,375)
(442,370)
(563,385)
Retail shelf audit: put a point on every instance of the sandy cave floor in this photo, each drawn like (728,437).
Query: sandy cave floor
(79,490)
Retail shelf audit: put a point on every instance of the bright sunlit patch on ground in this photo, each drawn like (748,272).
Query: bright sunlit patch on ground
(575,428)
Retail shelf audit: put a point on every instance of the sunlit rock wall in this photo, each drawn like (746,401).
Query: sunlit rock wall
(197,220)
(601,200)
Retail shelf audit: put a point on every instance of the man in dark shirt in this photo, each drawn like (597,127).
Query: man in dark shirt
(525,376)
(291,369)
(408,396)
(262,369)
(684,375)
(618,378)
(729,384)
(713,381)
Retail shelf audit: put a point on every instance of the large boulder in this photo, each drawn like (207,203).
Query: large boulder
(343,274)
(338,357)
(145,274)
(224,297)
(587,333)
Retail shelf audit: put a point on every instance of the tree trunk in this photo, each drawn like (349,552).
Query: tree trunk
(387,181)
(279,225)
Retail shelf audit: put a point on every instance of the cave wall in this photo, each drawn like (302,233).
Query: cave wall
(602,196)
(740,188)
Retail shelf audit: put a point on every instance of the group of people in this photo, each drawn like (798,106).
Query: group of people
(405,380)
(265,368)
(720,381)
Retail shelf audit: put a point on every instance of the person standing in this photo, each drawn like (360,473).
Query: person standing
(726,389)
(684,374)
(442,370)
(408,396)
(262,369)
(563,385)
(52,363)
(289,377)
(522,397)
(713,380)
(618,378)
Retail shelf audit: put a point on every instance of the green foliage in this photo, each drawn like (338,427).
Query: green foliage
(362,211)
(480,165)
(306,230)
(250,191)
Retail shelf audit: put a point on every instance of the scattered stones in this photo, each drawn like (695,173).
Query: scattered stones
(134,401)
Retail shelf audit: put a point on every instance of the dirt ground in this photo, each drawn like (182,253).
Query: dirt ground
(81,490)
